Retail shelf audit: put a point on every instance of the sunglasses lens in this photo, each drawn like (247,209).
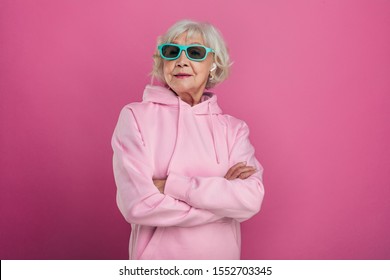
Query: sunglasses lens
(170,51)
(196,52)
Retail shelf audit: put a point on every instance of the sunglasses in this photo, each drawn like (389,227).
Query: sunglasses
(193,52)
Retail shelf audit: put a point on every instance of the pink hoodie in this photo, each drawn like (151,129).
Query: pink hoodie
(199,214)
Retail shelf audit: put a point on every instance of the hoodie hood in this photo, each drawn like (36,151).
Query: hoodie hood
(163,95)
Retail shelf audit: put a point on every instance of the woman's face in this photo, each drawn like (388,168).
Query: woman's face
(186,77)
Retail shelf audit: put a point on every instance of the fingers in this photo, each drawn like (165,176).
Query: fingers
(243,170)
(233,169)
(247,174)
(240,170)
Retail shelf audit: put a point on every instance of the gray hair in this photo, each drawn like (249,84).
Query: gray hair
(212,38)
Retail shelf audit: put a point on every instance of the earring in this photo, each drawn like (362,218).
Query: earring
(211,75)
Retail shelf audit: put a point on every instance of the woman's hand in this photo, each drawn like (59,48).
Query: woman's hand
(160,184)
(240,170)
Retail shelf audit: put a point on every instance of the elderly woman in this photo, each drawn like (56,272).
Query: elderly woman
(186,174)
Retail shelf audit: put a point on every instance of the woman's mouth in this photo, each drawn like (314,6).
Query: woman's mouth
(182,75)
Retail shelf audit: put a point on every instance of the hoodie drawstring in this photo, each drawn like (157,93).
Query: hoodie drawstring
(177,134)
(213,132)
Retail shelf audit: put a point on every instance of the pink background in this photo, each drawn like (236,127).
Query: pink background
(311,78)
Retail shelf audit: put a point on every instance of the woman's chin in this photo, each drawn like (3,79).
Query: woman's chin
(182,88)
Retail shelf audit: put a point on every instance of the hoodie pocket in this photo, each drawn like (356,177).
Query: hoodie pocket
(153,244)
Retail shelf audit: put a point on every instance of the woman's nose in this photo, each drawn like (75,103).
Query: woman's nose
(182,60)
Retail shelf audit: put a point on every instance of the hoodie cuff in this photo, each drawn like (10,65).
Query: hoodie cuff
(178,186)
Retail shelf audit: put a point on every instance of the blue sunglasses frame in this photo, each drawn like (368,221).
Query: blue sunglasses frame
(184,48)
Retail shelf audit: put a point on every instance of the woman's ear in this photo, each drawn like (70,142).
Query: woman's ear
(213,67)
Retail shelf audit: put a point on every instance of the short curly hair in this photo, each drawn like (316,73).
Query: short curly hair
(212,38)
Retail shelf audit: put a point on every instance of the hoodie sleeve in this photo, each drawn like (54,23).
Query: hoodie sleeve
(138,199)
(238,199)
